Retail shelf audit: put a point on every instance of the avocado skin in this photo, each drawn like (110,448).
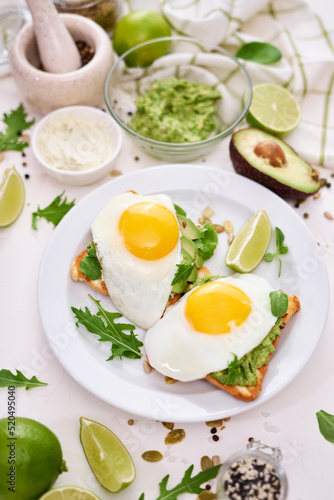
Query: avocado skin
(243,167)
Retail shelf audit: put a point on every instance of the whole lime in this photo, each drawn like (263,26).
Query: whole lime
(30,459)
(140,26)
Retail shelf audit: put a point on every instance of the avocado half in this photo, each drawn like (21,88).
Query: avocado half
(269,161)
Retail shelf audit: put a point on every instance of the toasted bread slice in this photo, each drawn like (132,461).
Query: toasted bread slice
(250,392)
(100,286)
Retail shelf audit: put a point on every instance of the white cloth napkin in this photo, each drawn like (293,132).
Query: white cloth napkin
(306,67)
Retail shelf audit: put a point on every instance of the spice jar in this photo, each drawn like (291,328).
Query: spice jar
(106,13)
(253,474)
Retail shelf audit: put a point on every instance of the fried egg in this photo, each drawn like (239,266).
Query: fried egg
(202,332)
(138,246)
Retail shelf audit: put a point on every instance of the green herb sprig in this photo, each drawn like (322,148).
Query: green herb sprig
(103,324)
(279,303)
(16,121)
(90,264)
(54,212)
(7,378)
(187,485)
(281,249)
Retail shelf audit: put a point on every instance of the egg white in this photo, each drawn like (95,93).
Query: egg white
(139,288)
(176,350)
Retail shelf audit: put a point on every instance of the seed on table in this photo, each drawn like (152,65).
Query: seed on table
(328,215)
(152,456)
(168,425)
(131,421)
(230,238)
(175,436)
(215,460)
(317,195)
(114,173)
(206,463)
(218,228)
(170,380)
(215,423)
(25,138)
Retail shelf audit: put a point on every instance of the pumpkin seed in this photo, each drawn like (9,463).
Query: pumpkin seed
(114,173)
(206,463)
(227,419)
(215,423)
(170,380)
(175,436)
(201,221)
(328,215)
(218,228)
(317,195)
(168,425)
(207,495)
(208,213)
(215,460)
(152,456)
(228,226)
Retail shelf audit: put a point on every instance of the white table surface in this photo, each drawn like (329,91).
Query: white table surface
(289,419)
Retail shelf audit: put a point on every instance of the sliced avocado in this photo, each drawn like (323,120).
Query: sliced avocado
(189,246)
(180,287)
(193,275)
(188,228)
(269,161)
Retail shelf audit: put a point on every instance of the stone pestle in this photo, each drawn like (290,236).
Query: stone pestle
(57,50)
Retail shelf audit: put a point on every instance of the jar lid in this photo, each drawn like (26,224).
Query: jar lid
(12,19)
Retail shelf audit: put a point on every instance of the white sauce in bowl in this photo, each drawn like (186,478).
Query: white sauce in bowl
(74,143)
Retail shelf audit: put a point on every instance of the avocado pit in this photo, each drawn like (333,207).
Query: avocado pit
(271,151)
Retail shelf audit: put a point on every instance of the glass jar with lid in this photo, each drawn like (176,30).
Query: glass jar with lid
(106,13)
(253,474)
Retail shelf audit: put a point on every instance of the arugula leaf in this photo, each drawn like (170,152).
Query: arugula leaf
(16,122)
(8,378)
(279,303)
(90,264)
(208,242)
(54,212)
(261,52)
(183,272)
(103,324)
(187,485)
(326,425)
(281,249)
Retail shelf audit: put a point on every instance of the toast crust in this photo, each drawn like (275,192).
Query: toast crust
(250,392)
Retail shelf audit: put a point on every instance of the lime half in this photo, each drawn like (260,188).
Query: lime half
(107,456)
(250,244)
(12,195)
(69,493)
(273,108)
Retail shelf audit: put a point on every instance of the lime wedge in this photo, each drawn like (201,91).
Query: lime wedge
(12,195)
(69,493)
(273,108)
(250,244)
(107,456)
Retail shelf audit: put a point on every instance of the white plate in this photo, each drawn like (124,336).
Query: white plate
(124,383)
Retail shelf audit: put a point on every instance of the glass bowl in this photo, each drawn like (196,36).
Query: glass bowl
(186,58)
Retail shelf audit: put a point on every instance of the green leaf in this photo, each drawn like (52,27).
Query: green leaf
(90,264)
(326,425)
(16,122)
(187,485)
(179,210)
(263,53)
(209,241)
(54,212)
(103,324)
(8,378)
(269,257)
(233,371)
(283,249)
(183,272)
(279,303)
(279,238)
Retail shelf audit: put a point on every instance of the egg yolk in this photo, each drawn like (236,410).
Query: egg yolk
(212,308)
(150,231)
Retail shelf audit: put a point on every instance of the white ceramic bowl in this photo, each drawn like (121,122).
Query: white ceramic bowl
(81,177)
